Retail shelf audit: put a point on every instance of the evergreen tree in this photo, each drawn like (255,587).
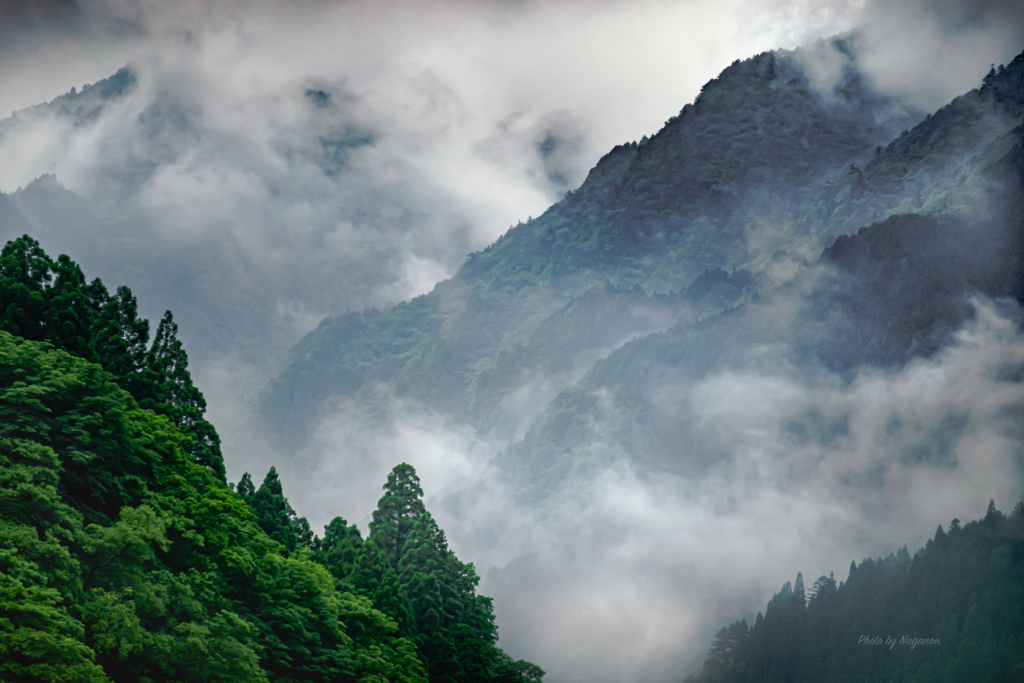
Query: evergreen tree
(373,577)
(799,596)
(455,627)
(960,595)
(179,399)
(407,569)
(729,644)
(397,512)
(46,300)
(274,514)
(338,548)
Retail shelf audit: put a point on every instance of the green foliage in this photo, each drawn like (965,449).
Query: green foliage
(46,300)
(455,627)
(961,595)
(39,638)
(123,556)
(406,570)
(175,396)
(273,513)
(373,576)
(123,559)
(339,548)
(397,512)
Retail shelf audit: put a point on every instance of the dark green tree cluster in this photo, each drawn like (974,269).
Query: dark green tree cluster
(406,570)
(46,300)
(955,612)
(122,559)
(273,512)
(124,556)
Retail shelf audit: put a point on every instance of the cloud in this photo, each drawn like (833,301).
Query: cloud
(332,156)
(626,574)
(274,164)
(635,570)
(928,51)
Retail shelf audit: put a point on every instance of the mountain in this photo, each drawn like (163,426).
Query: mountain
(896,290)
(98,173)
(950,613)
(736,226)
(720,186)
(786,325)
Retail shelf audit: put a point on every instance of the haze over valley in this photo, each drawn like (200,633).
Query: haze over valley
(663,301)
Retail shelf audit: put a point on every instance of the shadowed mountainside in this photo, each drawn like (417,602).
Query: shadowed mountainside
(759,144)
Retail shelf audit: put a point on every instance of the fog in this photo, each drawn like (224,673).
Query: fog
(272,164)
(627,573)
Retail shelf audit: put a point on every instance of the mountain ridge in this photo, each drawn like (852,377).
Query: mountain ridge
(603,231)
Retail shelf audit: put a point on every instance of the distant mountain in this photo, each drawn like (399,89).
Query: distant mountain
(113,153)
(721,187)
(889,293)
(761,173)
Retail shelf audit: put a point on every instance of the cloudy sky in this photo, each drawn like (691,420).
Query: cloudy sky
(450,121)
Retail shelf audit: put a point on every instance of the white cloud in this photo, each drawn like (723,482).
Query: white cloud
(216,172)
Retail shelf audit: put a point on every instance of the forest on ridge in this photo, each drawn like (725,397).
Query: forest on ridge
(125,556)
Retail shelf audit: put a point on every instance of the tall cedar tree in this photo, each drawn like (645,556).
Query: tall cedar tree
(397,512)
(406,567)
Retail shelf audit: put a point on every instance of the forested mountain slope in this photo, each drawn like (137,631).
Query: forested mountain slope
(941,166)
(688,199)
(125,556)
(760,173)
(894,291)
(951,613)
(749,153)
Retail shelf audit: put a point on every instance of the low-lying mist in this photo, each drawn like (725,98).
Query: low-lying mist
(267,168)
(625,574)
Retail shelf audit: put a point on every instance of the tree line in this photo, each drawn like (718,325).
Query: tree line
(954,612)
(126,556)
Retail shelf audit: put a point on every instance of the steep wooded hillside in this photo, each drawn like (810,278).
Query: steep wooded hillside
(754,148)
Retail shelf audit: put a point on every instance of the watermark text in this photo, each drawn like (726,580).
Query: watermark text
(903,641)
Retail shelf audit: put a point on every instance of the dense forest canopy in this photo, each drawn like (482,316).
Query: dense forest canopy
(954,612)
(124,555)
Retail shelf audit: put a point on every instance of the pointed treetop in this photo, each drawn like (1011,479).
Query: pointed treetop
(276,517)
(991,512)
(397,511)
(245,487)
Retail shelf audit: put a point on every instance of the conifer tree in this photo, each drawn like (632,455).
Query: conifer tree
(408,567)
(397,511)
(274,514)
(46,300)
(179,399)
(374,578)
(338,548)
